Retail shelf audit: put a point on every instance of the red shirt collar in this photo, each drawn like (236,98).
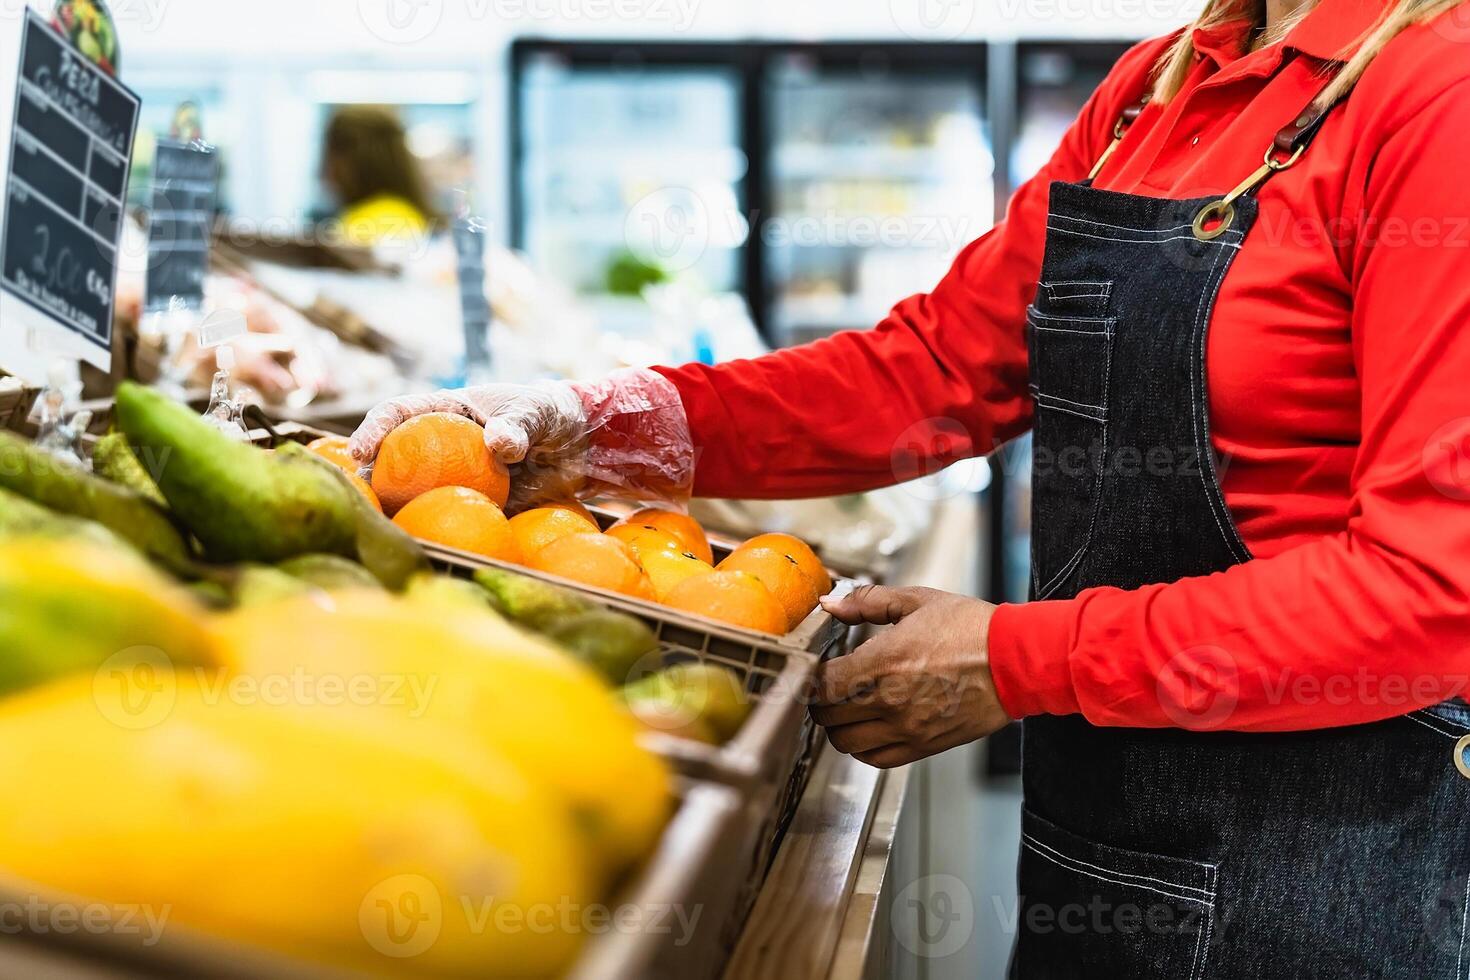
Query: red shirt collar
(1332,31)
(1336,29)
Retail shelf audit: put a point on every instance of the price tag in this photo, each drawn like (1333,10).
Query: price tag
(469,247)
(185,187)
(65,168)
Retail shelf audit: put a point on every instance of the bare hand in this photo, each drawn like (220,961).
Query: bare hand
(913,690)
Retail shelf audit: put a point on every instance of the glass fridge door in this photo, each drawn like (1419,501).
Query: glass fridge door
(631,173)
(880,171)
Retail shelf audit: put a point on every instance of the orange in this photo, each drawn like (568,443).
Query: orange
(535,529)
(799,551)
(737,598)
(575,506)
(437,450)
(458,517)
(666,569)
(334,448)
(365,490)
(779,573)
(645,539)
(681,526)
(594,559)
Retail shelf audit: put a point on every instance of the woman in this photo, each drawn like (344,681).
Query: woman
(1246,380)
(367,166)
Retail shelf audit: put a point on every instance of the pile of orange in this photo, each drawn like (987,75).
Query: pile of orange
(438,482)
(770,583)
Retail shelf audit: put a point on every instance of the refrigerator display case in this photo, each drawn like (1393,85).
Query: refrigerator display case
(880,172)
(821,182)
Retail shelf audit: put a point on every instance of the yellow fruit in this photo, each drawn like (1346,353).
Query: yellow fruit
(436,450)
(779,573)
(681,526)
(644,539)
(737,598)
(666,569)
(305,831)
(596,560)
(484,682)
(73,605)
(799,551)
(537,528)
(461,518)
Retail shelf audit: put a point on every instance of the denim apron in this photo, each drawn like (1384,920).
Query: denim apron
(1180,854)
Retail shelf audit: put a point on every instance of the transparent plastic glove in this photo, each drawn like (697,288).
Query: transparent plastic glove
(624,436)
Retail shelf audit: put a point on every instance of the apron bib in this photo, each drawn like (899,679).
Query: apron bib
(1169,853)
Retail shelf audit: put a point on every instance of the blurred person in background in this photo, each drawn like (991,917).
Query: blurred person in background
(1233,310)
(374,177)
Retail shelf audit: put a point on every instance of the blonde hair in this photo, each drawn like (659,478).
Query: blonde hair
(1174,67)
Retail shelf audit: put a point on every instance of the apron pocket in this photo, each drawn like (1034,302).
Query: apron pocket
(1070,364)
(1089,910)
(1080,297)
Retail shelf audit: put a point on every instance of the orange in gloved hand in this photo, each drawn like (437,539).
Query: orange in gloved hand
(778,572)
(799,551)
(535,529)
(437,450)
(681,526)
(458,517)
(594,559)
(732,597)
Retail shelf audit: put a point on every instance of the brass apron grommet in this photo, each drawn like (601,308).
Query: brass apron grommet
(1462,756)
(1222,211)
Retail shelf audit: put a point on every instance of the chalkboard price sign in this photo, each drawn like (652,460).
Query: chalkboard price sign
(185,185)
(70,153)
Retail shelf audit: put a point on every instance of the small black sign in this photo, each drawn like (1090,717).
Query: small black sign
(185,186)
(70,152)
(469,247)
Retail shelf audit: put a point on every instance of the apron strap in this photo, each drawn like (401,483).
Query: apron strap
(1126,119)
(1286,148)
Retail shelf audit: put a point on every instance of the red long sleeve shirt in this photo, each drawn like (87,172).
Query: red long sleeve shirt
(1339,388)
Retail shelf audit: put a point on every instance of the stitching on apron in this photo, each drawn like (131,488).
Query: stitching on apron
(1055,292)
(1415,717)
(1208,892)
(1464,927)
(1104,224)
(1194,400)
(1080,333)
(1075,408)
(1114,881)
(1204,935)
(1142,241)
(1106,322)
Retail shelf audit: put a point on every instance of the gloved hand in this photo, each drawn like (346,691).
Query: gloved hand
(626,435)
